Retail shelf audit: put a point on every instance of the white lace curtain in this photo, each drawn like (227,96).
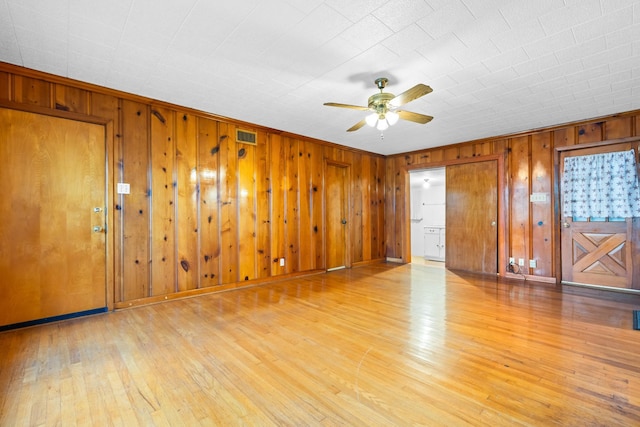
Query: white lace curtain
(601,185)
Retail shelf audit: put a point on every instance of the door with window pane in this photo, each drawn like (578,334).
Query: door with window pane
(596,246)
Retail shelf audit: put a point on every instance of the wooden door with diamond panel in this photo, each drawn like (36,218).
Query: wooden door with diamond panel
(596,251)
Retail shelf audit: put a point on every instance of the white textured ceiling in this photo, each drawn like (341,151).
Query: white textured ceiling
(495,66)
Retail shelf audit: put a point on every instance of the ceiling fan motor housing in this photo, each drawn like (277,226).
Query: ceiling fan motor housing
(378,102)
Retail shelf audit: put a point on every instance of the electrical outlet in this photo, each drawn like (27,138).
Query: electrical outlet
(281,262)
(521,262)
(538,197)
(532,263)
(512,260)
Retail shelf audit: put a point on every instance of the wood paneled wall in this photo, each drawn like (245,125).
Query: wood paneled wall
(531,229)
(206,212)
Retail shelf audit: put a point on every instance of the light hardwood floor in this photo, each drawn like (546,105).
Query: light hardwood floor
(379,345)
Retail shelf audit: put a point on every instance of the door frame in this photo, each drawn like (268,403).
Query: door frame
(347,251)
(110,175)
(502,207)
(410,189)
(634,141)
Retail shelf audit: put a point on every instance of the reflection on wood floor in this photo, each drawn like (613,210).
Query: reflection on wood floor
(418,260)
(379,345)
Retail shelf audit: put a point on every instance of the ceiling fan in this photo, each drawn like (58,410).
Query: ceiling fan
(384,107)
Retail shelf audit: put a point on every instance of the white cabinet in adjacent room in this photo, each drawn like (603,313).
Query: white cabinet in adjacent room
(434,238)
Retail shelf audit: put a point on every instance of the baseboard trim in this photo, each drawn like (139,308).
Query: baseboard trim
(530,278)
(212,289)
(601,287)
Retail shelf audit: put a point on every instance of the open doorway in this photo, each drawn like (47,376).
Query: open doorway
(428,215)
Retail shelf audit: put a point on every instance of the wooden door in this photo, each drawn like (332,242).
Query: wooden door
(52,181)
(336,215)
(596,251)
(471,217)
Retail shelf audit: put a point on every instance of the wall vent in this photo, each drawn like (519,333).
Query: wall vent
(246,137)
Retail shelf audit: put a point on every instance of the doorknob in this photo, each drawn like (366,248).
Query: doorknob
(97,229)
(566,224)
(493,223)
(344,221)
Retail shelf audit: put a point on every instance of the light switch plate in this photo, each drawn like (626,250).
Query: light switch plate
(123,188)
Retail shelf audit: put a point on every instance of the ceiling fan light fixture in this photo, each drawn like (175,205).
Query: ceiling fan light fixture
(392,117)
(371,119)
(382,124)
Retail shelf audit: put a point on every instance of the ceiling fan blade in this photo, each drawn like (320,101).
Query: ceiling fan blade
(409,95)
(414,117)
(353,107)
(357,126)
